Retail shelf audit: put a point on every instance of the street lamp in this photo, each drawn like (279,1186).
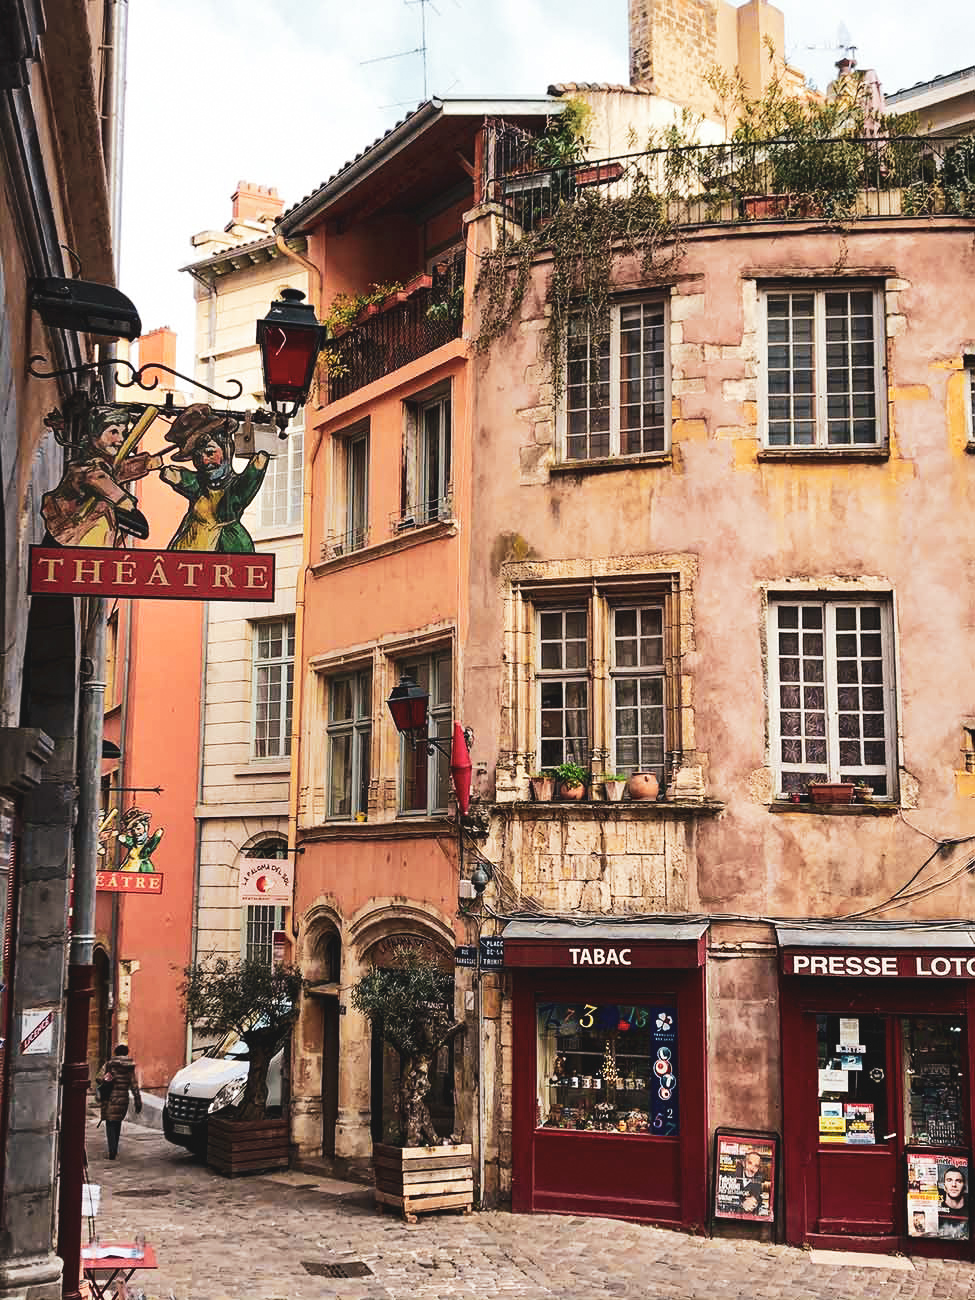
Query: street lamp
(408,705)
(290,339)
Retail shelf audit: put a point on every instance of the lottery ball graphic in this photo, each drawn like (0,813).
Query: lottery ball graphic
(660,1067)
(663,1094)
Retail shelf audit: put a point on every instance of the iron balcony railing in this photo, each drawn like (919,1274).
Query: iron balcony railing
(839,178)
(393,336)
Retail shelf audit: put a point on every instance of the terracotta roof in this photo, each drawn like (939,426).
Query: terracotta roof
(573,87)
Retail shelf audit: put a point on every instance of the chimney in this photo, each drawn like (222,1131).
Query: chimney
(159,346)
(256,202)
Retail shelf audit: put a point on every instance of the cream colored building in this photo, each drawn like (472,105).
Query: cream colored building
(248,669)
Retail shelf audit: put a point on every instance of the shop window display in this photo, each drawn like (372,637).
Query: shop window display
(608,1067)
(934,1096)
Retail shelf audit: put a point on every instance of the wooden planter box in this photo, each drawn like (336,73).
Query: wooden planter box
(837,792)
(247,1147)
(416,1180)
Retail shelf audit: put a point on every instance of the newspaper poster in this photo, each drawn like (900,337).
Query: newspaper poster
(937,1196)
(859,1118)
(744,1183)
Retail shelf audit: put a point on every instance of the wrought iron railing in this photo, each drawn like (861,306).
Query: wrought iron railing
(801,179)
(393,336)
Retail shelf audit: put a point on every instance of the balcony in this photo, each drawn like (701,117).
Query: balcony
(841,178)
(410,323)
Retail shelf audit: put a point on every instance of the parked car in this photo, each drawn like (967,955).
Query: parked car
(212,1082)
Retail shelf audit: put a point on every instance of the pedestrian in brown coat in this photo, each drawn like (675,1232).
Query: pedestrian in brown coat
(114,1081)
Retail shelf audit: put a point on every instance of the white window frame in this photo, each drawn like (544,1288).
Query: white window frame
(359,727)
(970,399)
(833,769)
(638,672)
(819,289)
(439,724)
(416,508)
(615,366)
(356,534)
(565,676)
(287,463)
(283,661)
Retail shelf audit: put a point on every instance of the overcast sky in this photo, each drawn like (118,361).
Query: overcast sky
(279,92)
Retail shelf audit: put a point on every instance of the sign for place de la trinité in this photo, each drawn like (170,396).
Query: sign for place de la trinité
(93,514)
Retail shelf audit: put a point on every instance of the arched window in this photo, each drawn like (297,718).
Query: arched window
(259,921)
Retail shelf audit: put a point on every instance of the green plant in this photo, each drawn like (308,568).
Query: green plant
(257,1001)
(448,309)
(572,774)
(566,136)
(345,307)
(546,774)
(410,1004)
(615,776)
(819,779)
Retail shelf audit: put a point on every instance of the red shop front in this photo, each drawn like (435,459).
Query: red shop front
(610,1088)
(878,1027)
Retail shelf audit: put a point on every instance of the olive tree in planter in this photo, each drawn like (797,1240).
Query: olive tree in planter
(259,1002)
(409,1002)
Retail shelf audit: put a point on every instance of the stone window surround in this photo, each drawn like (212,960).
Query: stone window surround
(384,657)
(526,584)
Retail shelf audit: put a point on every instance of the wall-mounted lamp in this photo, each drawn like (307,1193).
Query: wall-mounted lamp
(84,306)
(290,339)
(407,704)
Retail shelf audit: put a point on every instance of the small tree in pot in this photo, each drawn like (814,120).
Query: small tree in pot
(410,1004)
(260,1003)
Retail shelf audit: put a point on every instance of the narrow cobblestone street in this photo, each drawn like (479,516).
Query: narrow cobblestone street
(250,1239)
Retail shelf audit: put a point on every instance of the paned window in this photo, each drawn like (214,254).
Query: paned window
(424,779)
(274,654)
(637,672)
(356,492)
(434,460)
(281,491)
(824,384)
(970,403)
(616,399)
(832,693)
(349,743)
(563,686)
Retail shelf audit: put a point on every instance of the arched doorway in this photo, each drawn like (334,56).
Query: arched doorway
(318,1031)
(385,1061)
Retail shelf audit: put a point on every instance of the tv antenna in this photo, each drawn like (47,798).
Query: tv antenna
(420,49)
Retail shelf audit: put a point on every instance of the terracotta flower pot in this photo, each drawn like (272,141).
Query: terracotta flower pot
(542,788)
(832,792)
(643,785)
(576,790)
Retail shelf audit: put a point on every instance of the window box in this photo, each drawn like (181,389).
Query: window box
(599,173)
(832,792)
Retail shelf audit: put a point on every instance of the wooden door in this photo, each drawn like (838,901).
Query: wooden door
(330,1073)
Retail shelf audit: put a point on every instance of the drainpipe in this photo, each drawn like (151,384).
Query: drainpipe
(314,275)
(74,1075)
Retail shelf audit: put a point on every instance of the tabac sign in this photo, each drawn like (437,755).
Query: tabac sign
(93,514)
(266,880)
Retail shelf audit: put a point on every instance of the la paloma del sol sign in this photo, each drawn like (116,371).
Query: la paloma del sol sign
(172,575)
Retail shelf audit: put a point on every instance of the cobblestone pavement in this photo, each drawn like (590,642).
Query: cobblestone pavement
(248,1238)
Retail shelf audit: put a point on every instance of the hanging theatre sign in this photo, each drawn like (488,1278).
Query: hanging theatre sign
(95,529)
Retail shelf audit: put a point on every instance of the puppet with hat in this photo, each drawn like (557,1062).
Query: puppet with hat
(217,494)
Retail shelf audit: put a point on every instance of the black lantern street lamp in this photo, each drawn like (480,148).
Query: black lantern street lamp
(290,339)
(408,704)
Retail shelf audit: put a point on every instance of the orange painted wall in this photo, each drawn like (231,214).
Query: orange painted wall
(161,749)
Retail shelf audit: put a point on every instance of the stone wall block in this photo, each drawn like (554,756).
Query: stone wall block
(653,877)
(625,876)
(581,837)
(645,837)
(684,305)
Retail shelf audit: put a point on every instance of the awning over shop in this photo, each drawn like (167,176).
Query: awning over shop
(906,952)
(606,944)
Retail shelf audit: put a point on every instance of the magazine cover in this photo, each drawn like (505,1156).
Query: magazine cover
(937,1196)
(744,1178)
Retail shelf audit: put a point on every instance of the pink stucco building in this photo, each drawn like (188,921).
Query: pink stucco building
(720,539)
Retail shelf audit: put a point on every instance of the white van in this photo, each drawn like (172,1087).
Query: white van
(212,1082)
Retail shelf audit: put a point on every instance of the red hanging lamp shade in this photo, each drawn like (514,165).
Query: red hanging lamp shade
(408,705)
(290,339)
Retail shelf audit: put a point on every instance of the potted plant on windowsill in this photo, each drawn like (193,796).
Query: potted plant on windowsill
(259,1002)
(572,779)
(822,790)
(543,786)
(410,1003)
(615,786)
